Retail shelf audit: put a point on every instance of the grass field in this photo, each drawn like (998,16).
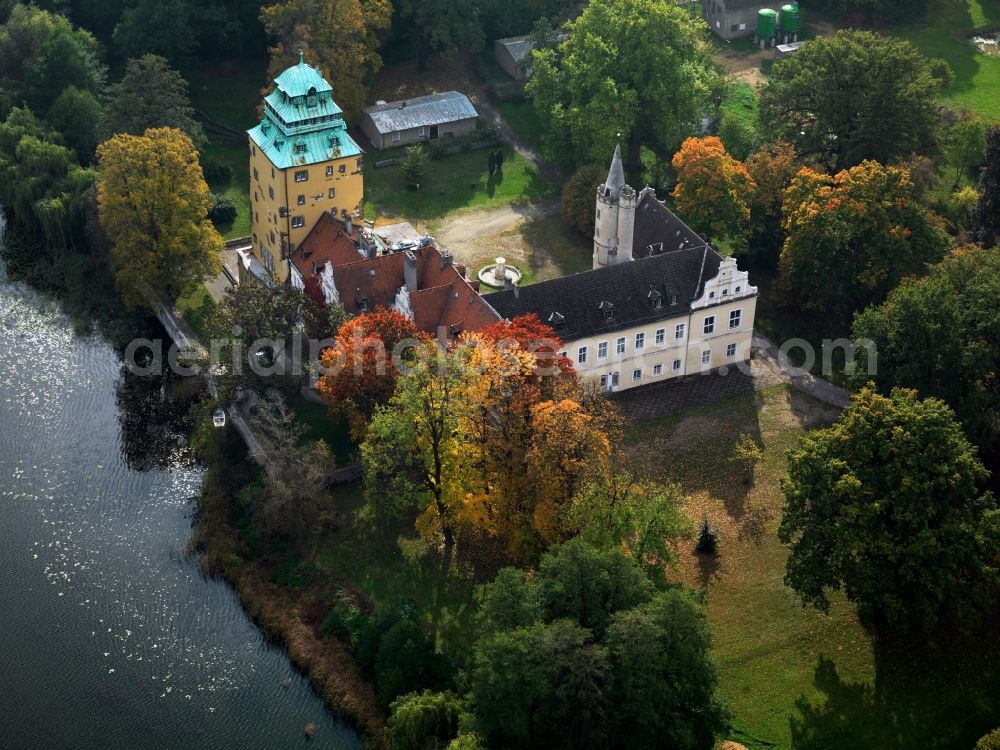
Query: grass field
(229,93)
(195,306)
(452,183)
(523,120)
(794,677)
(944,34)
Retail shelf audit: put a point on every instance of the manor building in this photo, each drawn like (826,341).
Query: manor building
(659,303)
(303,164)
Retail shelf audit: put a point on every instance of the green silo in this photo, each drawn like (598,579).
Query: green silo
(767,24)
(791,21)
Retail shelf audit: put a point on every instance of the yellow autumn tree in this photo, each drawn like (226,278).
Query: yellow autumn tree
(153,204)
(713,189)
(341,36)
(568,449)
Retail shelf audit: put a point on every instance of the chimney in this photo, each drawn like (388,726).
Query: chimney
(348,227)
(410,270)
(446,259)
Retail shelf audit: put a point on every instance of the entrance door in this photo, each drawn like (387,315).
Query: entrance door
(434,132)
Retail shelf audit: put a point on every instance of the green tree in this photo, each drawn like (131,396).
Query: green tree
(853,236)
(738,135)
(67,58)
(153,204)
(885,504)
(41,182)
(76,114)
(941,336)
(965,143)
(986,218)
(635,67)
(579,198)
(772,168)
(423,721)
(150,94)
(852,97)
(21,38)
(990,741)
(414,163)
(440,26)
(167,28)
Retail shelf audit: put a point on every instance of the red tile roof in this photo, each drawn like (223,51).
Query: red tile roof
(443,297)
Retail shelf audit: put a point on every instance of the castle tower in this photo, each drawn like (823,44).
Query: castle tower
(302,164)
(614,218)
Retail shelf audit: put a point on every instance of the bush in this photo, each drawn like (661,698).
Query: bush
(421,721)
(340,623)
(216,172)
(223,210)
(414,163)
(990,742)
(579,198)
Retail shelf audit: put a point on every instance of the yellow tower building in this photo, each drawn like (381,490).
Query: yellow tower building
(302,164)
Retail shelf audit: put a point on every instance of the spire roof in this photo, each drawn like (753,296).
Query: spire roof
(616,175)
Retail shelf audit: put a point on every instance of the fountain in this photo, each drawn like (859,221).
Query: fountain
(498,273)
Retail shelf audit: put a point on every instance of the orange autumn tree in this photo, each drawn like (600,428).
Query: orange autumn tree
(713,189)
(359,372)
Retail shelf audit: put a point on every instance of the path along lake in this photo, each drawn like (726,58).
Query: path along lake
(110,636)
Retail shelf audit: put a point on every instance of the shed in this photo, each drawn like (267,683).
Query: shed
(733,19)
(511,54)
(424,118)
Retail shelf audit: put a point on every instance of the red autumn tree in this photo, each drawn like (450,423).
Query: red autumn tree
(533,336)
(359,369)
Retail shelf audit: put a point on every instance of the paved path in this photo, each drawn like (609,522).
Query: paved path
(767,367)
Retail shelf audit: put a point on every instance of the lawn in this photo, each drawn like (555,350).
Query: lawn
(523,120)
(944,34)
(792,676)
(321,426)
(229,93)
(195,305)
(741,102)
(452,183)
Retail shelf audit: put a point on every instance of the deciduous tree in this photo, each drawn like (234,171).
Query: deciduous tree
(853,97)
(440,26)
(76,114)
(941,336)
(712,189)
(361,373)
(342,36)
(986,218)
(772,168)
(853,236)
(886,505)
(153,205)
(638,68)
(579,198)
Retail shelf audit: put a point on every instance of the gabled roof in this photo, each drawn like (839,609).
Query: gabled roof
(433,109)
(658,230)
(519,46)
(677,276)
(327,241)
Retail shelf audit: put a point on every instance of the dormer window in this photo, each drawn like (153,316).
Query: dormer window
(655,299)
(673,299)
(739,289)
(300,148)
(725,292)
(711,295)
(608,309)
(556,318)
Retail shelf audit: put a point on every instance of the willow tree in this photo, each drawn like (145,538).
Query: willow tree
(153,203)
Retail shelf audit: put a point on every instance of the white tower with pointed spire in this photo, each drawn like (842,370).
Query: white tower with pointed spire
(615,217)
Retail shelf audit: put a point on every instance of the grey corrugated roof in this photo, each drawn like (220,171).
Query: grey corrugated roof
(433,109)
(519,46)
(578,298)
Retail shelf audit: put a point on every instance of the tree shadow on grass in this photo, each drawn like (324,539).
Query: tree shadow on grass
(924,696)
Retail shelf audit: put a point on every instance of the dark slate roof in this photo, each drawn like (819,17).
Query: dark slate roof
(656,225)
(578,298)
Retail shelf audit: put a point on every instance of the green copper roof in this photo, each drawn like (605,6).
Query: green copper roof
(302,123)
(299,79)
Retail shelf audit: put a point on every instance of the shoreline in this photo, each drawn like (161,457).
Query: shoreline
(277,610)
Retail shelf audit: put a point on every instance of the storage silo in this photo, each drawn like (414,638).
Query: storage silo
(767,26)
(791,23)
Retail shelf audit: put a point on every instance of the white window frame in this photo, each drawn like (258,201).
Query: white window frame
(676,366)
(602,350)
(620,345)
(640,341)
(581,355)
(395,136)
(706,356)
(329,170)
(709,325)
(302,175)
(679,331)
(298,222)
(730,351)
(735,318)
(420,133)
(636,374)
(661,336)
(657,369)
